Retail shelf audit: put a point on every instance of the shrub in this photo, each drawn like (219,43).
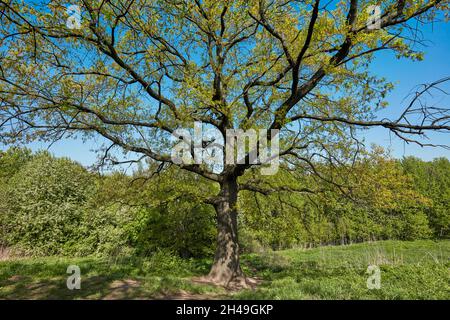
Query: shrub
(44,203)
(416,226)
(183,227)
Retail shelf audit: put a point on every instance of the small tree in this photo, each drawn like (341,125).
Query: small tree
(134,71)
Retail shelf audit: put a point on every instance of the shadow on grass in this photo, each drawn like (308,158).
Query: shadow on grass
(94,287)
(128,278)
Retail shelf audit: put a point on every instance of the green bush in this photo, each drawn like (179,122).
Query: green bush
(56,207)
(183,227)
(416,226)
(44,204)
(102,232)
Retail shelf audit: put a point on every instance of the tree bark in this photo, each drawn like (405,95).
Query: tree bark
(226,267)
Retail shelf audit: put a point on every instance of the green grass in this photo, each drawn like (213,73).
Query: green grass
(409,270)
(125,278)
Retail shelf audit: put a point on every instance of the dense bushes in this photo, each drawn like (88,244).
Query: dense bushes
(48,209)
(44,202)
(186,228)
(55,206)
(165,212)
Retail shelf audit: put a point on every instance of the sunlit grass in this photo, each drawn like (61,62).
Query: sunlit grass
(409,270)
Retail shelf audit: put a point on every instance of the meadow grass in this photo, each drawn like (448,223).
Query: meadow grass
(409,270)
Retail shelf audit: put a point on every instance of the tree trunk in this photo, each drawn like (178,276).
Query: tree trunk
(226,267)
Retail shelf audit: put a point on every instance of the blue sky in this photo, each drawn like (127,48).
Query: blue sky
(404,73)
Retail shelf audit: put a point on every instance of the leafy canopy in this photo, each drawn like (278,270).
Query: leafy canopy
(136,70)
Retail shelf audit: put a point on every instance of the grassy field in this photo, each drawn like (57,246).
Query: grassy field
(409,270)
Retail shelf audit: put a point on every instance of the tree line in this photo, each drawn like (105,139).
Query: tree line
(55,206)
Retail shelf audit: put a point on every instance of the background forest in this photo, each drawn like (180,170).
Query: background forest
(54,206)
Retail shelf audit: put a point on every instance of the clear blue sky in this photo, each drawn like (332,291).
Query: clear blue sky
(405,73)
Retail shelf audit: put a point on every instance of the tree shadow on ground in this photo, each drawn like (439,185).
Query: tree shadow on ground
(94,287)
(100,279)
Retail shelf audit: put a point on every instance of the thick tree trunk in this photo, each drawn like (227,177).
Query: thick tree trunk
(226,267)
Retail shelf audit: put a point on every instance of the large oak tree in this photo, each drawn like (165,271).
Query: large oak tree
(137,70)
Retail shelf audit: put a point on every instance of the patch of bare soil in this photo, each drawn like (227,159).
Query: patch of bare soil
(232,287)
(123,289)
(235,285)
(16,278)
(184,295)
(40,287)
